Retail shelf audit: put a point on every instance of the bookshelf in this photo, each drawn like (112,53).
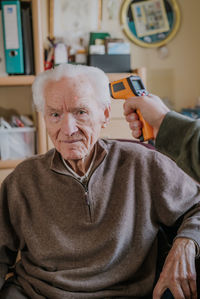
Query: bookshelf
(16,80)
(39,8)
(9,164)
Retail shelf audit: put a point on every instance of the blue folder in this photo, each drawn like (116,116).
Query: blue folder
(12,32)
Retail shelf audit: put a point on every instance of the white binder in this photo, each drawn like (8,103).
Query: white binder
(12,33)
(2,54)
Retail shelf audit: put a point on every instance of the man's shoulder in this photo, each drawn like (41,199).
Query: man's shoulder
(37,159)
(138,151)
(33,165)
(128,145)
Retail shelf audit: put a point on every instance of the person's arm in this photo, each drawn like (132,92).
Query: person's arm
(175,194)
(178,273)
(8,239)
(175,135)
(179,139)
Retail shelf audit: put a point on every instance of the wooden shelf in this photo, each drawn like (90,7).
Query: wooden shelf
(9,163)
(16,80)
(40,24)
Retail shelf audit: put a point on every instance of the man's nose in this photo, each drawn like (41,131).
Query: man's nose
(68,126)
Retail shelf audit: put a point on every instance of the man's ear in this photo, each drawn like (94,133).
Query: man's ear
(107,112)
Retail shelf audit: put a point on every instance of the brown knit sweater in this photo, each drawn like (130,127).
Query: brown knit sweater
(95,240)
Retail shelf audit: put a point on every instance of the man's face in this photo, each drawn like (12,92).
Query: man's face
(73,117)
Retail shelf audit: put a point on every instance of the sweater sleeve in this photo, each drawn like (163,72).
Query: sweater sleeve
(190,226)
(176,195)
(179,138)
(9,243)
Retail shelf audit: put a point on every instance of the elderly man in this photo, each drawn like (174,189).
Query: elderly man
(86,215)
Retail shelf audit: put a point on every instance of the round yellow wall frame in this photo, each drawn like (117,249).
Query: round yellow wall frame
(133,38)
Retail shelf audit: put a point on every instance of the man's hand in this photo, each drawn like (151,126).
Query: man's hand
(152,109)
(179,273)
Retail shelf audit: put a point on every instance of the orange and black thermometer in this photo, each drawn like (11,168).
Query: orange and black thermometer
(132,87)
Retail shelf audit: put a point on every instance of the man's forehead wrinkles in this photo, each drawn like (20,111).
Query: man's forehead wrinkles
(67,107)
(54,108)
(77,102)
(76,107)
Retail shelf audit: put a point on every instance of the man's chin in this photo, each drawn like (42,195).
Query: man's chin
(72,154)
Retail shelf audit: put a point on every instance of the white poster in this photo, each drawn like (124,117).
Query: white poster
(75,17)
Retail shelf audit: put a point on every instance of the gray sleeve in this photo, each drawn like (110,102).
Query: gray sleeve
(175,195)
(190,226)
(9,243)
(179,139)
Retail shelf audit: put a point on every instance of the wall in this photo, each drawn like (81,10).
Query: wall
(175,78)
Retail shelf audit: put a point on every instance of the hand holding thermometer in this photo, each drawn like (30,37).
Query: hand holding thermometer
(130,87)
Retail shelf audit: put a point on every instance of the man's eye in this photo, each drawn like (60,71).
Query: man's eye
(55,114)
(81,112)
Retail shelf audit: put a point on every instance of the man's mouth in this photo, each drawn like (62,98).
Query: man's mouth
(70,141)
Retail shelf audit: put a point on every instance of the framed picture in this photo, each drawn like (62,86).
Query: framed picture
(150,17)
(150,23)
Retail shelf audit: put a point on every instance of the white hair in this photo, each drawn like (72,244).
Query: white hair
(96,77)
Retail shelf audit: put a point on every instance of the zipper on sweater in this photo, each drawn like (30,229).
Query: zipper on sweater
(88,202)
(86,197)
(85,186)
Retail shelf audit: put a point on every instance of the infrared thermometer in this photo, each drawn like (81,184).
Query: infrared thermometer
(132,87)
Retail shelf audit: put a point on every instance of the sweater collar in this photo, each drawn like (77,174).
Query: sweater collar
(57,165)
